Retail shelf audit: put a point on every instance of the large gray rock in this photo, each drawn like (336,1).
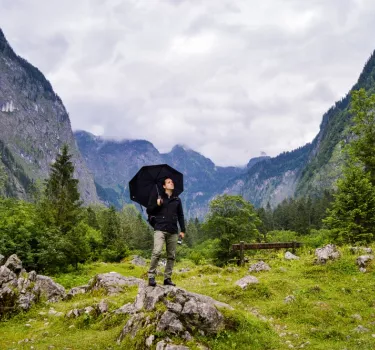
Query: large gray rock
(259,266)
(6,275)
(290,256)
(186,312)
(14,264)
(202,315)
(364,260)
(113,282)
(170,322)
(46,287)
(246,281)
(365,250)
(135,323)
(77,290)
(138,261)
(328,252)
(2,259)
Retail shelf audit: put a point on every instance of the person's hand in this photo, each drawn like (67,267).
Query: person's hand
(159,202)
(182,235)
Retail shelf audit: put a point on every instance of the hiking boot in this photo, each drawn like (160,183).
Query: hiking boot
(151,282)
(168,282)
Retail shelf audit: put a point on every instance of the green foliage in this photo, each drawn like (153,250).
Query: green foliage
(114,243)
(352,215)
(62,198)
(65,241)
(20,231)
(231,219)
(363,145)
(300,215)
(316,238)
(136,231)
(282,236)
(3,176)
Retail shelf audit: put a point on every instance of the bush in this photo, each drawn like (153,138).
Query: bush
(317,238)
(282,236)
(204,252)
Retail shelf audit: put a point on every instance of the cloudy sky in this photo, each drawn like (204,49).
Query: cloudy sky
(229,79)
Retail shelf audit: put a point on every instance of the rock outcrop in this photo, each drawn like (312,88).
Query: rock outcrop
(19,290)
(328,252)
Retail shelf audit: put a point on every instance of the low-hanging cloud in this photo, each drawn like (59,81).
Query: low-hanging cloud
(229,79)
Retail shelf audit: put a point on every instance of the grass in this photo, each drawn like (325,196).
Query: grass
(330,302)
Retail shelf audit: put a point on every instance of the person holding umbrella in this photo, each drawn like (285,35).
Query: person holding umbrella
(164,209)
(167,210)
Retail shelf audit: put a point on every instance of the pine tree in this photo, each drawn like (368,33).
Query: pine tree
(65,242)
(352,216)
(61,192)
(362,147)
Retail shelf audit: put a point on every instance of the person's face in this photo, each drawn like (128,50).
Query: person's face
(168,185)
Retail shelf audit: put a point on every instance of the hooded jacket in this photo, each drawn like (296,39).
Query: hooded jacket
(167,215)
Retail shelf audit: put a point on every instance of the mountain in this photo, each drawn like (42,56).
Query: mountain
(271,180)
(310,169)
(34,124)
(114,163)
(325,158)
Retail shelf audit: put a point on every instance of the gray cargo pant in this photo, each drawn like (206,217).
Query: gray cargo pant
(170,240)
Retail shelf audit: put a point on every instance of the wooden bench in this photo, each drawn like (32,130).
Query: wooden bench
(242,246)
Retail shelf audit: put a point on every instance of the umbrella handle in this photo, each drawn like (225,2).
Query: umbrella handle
(159,196)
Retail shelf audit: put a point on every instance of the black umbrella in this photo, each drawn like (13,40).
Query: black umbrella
(149,179)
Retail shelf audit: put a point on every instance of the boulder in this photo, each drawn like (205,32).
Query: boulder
(6,275)
(77,290)
(14,264)
(245,281)
(364,260)
(355,250)
(138,261)
(113,282)
(328,252)
(46,287)
(103,306)
(186,313)
(259,266)
(290,256)
(2,259)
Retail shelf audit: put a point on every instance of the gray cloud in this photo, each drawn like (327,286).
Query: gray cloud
(228,79)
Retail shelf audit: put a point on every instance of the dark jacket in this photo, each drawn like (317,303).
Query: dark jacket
(167,214)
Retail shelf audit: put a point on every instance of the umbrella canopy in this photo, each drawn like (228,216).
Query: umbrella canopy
(150,179)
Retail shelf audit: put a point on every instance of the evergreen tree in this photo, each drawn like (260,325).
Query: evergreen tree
(362,147)
(61,193)
(65,241)
(114,244)
(352,216)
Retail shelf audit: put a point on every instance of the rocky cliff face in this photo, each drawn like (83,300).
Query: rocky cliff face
(271,180)
(326,158)
(33,126)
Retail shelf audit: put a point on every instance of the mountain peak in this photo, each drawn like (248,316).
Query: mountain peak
(3,42)
(180,147)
